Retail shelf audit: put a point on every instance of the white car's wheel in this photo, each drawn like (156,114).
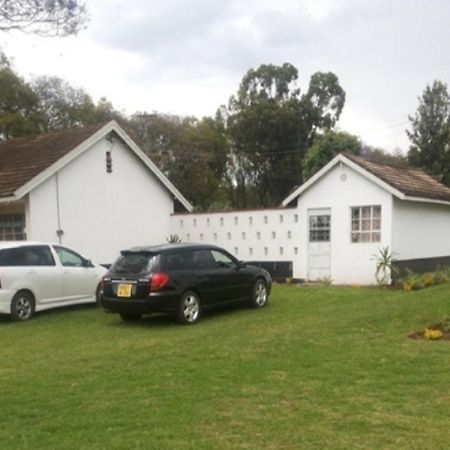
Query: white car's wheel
(22,306)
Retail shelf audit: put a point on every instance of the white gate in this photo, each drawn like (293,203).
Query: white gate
(319,236)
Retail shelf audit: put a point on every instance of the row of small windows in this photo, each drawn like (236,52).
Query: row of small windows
(236,220)
(266,251)
(243,236)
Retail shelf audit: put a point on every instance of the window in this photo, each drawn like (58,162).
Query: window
(295,250)
(243,236)
(108,156)
(12,227)
(221,221)
(274,234)
(203,259)
(229,236)
(366,224)
(235,250)
(132,262)
(281,251)
(188,237)
(266,220)
(250,220)
(289,235)
(319,228)
(295,218)
(207,222)
(222,260)
(37,255)
(201,236)
(215,237)
(266,251)
(177,261)
(69,258)
(250,250)
(195,222)
(281,218)
(236,220)
(181,223)
(258,235)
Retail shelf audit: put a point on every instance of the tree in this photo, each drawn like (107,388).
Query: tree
(43,17)
(325,147)
(63,106)
(19,105)
(192,153)
(430,134)
(270,126)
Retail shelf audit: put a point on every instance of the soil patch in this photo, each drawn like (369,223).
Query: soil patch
(443,327)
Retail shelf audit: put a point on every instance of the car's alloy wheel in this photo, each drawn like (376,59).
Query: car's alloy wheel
(259,294)
(189,310)
(22,306)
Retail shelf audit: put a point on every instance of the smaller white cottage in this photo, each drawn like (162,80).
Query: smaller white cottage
(89,188)
(334,225)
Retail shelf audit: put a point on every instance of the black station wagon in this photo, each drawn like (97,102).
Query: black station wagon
(181,279)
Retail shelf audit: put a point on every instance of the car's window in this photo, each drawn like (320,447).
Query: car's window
(203,259)
(39,255)
(177,261)
(133,262)
(69,258)
(222,259)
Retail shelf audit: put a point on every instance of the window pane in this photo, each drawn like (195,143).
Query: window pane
(376,224)
(376,211)
(376,237)
(355,225)
(365,237)
(366,212)
(365,224)
(356,212)
(356,237)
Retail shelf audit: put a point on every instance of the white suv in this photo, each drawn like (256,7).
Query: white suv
(35,276)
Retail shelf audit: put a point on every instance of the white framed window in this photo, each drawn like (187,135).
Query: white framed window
(250,250)
(243,236)
(235,250)
(207,221)
(215,237)
(250,220)
(188,237)
(236,220)
(221,221)
(281,251)
(274,234)
(295,250)
(266,220)
(195,222)
(229,236)
(319,228)
(181,223)
(281,218)
(258,235)
(266,251)
(201,236)
(295,218)
(289,235)
(12,227)
(366,224)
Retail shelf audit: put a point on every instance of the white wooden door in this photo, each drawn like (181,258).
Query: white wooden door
(319,236)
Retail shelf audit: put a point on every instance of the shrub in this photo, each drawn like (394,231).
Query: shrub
(414,281)
(432,334)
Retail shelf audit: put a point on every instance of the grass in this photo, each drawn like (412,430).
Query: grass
(319,368)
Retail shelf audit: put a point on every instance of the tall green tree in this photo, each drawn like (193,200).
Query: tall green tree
(325,147)
(43,17)
(192,153)
(270,125)
(19,105)
(430,133)
(63,106)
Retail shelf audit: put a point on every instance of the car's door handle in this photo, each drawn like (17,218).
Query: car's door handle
(31,272)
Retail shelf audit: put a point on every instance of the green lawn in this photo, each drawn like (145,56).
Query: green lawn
(319,368)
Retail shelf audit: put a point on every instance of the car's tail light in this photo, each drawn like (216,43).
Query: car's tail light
(158,280)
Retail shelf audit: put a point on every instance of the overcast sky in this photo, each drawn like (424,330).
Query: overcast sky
(188,57)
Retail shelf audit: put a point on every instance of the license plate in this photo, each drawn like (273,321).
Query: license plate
(124,290)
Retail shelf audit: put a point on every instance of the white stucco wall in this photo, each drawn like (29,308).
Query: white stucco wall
(420,230)
(350,262)
(249,235)
(102,213)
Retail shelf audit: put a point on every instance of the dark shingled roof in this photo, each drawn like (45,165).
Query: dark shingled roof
(408,180)
(22,159)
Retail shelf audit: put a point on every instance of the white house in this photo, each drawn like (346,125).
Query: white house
(89,188)
(334,225)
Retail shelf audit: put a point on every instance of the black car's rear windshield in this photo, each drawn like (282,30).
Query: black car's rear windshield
(134,263)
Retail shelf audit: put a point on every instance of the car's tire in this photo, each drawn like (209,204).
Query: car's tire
(189,309)
(129,317)
(22,306)
(260,295)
